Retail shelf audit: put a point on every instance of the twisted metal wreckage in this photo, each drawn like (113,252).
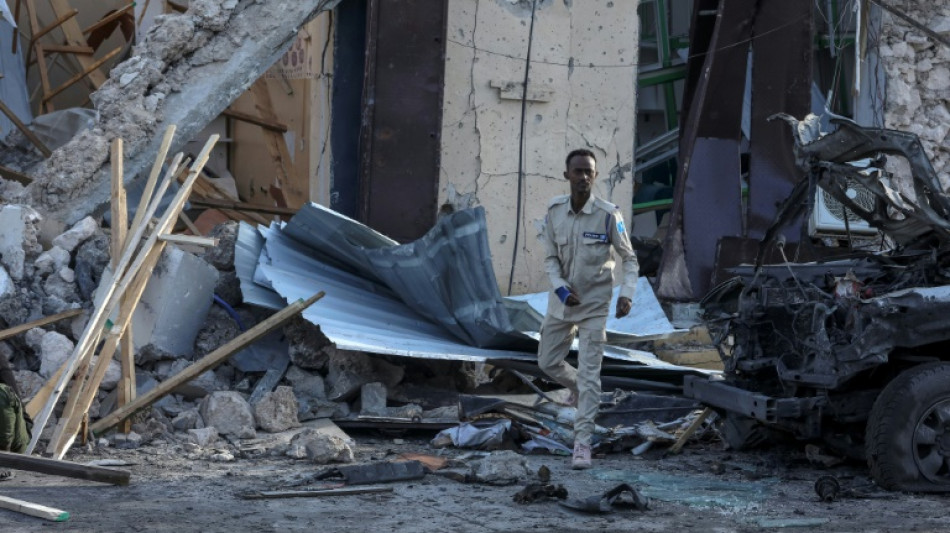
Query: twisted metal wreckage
(853,350)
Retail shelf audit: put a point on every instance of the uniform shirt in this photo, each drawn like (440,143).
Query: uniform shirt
(577,255)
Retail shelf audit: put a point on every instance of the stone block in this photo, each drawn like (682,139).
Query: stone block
(320,447)
(373,399)
(204,437)
(230,413)
(187,420)
(54,349)
(76,235)
(306,384)
(277,411)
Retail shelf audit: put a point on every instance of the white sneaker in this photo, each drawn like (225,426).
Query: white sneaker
(581,459)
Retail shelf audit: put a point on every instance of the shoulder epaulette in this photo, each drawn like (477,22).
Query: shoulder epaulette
(557,200)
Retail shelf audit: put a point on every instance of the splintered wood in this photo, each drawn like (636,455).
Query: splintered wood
(121,290)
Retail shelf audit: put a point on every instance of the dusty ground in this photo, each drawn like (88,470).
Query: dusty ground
(703,489)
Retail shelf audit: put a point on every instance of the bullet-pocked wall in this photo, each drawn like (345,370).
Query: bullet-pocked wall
(917,78)
(581,94)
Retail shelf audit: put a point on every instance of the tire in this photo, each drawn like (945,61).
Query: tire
(908,432)
(743,433)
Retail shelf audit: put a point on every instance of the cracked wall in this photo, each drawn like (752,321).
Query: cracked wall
(917,78)
(581,94)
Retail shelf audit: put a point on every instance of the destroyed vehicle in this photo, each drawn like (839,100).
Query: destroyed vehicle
(854,351)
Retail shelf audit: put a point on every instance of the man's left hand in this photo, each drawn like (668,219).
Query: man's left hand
(623,306)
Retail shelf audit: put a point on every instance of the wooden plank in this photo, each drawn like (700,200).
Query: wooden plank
(74,37)
(243,206)
(257,121)
(188,224)
(53,467)
(24,130)
(698,421)
(191,240)
(120,230)
(16,330)
(14,175)
(153,176)
(108,18)
(116,285)
(88,71)
(345,491)
(206,363)
(33,509)
(295,191)
(72,418)
(67,49)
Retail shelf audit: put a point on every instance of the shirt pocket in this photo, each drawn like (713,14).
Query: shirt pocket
(595,250)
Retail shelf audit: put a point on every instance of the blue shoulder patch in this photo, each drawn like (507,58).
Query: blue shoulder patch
(620,227)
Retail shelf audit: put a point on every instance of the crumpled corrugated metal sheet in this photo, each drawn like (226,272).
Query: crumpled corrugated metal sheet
(446,276)
(356,313)
(322,250)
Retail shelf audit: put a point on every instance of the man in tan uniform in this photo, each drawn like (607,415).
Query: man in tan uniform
(578,235)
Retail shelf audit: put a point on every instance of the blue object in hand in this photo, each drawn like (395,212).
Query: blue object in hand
(562,293)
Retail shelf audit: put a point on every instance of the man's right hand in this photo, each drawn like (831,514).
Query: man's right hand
(572,299)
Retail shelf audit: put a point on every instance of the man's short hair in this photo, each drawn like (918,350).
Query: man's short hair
(581,152)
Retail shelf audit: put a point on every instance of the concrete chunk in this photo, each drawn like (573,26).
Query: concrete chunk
(373,399)
(230,413)
(277,411)
(320,447)
(76,235)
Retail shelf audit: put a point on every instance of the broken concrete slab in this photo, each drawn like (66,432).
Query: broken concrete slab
(185,72)
(230,413)
(175,303)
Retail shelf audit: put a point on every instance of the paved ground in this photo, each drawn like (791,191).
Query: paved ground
(703,489)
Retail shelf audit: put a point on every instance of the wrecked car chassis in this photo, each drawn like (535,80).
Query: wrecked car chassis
(852,351)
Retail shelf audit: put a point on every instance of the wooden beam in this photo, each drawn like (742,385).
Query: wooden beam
(67,49)
(343,491)
(120,230)
(120,281)
(40,322)
(33,509)
(25,131)
(53,467)
(190,224)
(13,175)
(206,363)
(192,240)
(74,36)
(243,206)
(108,18)
(88,71)
(39,33)
(257,121)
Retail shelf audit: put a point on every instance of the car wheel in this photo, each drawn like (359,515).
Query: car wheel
(908,431)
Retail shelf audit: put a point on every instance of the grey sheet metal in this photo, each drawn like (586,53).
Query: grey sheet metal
(361,314)
(446,276)
(646,320)
(358,314)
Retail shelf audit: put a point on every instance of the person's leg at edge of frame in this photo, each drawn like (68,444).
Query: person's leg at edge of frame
(556,338)
(592,337)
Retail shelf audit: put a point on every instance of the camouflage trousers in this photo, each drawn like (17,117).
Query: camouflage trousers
(15,424)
